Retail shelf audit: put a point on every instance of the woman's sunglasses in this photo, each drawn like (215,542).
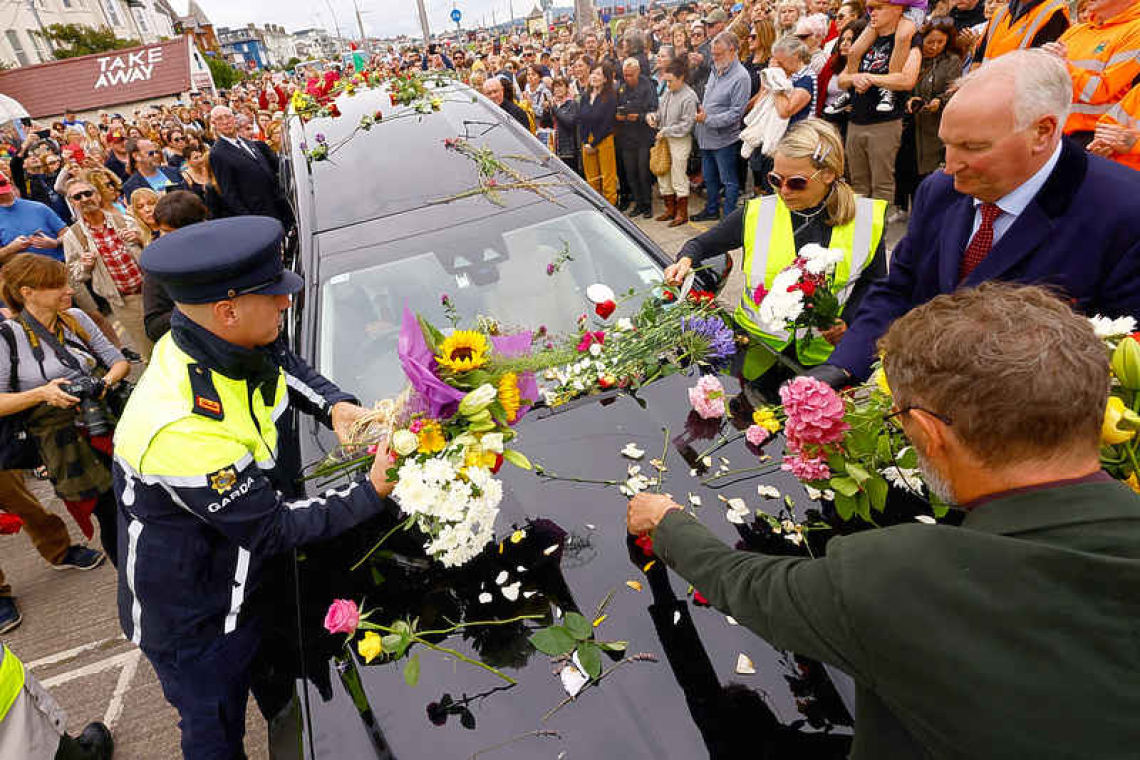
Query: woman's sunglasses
(82,195)
(796,183)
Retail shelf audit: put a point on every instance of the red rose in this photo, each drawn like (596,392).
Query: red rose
(808,287)
(605,309)
(669,296)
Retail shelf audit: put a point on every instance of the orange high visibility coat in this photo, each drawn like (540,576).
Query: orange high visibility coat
(1126,113)
(1004,35)
(1104,61)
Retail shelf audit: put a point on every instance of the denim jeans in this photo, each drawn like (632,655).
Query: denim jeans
(719,169)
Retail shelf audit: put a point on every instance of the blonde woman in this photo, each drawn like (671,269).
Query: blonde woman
(811,204)
(141,211)
(788,14)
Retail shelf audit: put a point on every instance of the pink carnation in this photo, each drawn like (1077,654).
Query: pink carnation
(343,617)
(589,338)
(707,397)
(756,435)
(806,468)
(815,412)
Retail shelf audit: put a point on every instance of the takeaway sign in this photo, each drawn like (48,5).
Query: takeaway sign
(104,80)
(137,66)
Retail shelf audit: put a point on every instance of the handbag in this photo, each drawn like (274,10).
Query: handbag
(18,450)
(660,159)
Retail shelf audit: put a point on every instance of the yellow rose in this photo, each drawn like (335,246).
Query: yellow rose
(371,646)
(1109,433)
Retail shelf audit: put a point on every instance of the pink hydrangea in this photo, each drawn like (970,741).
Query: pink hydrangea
(806,468)
(756,435)
(815,412)
(707,397)
(343,617)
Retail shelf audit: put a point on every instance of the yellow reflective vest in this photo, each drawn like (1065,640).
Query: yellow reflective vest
(768,224)
(11,680)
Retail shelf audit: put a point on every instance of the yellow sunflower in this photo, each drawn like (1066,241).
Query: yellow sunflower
(509,396)
(431,438)
(464,350)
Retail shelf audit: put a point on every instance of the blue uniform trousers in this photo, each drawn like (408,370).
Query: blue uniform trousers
(209,686)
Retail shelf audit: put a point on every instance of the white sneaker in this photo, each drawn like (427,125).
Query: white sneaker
(886,101)
(898,216)
(839,106)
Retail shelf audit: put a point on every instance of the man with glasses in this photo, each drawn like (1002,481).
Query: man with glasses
(246,172)
(148,170)
(1012,636)
(718,126)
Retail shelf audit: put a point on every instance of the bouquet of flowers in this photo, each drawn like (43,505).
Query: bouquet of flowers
(1118,440)
(801,297)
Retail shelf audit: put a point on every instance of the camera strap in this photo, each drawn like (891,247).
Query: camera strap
(66,358)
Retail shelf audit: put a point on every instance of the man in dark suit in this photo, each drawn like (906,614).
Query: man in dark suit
(1011,636)
(1016,202)
(246,172)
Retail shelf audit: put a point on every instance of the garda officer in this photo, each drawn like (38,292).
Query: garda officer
(812,205)
(32,724)
(1020,25)
(200,469)
(1103,57)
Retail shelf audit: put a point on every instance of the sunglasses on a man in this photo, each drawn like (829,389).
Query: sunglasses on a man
(82,195)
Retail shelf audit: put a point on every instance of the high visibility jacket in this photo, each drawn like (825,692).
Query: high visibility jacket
(1104,61)
(770,248)
(1126,113)
(1004,34)
(198,478)
(11,680)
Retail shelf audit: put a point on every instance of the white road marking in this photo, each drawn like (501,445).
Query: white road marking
(126,675)
(70,654)
(114,661)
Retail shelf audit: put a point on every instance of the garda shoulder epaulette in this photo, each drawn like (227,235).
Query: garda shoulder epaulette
(207,401)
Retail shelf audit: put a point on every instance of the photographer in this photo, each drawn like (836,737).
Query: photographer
(63,367)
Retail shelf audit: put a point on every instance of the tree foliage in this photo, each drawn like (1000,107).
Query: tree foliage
(291,63)
(225,75)
(71,40)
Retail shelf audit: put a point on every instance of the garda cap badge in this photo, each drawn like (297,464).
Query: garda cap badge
(223,480)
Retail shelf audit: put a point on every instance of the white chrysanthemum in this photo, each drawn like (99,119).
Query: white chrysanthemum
(779,306)
(438,470)
(1106,327)
(818,260)
(906,478)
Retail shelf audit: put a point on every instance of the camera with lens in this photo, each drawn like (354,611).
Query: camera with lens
(93,415)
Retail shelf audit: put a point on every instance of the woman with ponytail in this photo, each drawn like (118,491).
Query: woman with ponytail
(811,204)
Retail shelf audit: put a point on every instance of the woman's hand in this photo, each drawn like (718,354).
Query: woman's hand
(834,333)
(378,475)
(676,272)
(53,395)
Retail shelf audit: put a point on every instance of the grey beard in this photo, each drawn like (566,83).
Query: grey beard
(937,484)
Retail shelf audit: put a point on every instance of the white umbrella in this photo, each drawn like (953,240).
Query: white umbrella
(10,109)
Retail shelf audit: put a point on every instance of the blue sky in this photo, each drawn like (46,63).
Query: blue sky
(381,18)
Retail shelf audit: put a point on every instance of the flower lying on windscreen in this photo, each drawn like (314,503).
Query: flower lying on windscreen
(720,337)
(343,616)
(464,350)
(707,397)
(815,412)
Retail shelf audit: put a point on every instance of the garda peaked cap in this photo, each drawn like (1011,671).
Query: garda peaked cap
(221,259)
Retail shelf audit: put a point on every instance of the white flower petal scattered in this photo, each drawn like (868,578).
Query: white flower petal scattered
(632,452)
(730,620)
(625,324)
(501,578)
(737,511)
(926,519)
(694,500)
(573,678)
(768,492)
(550,549)
(485,597)
(744,665)
(511,592)
(676,617)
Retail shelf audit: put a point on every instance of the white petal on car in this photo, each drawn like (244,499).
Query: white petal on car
(573,677)
(485,597)
(501,578)
(926,519)
(511,592)
(676,617)
(550,550)
(694,500)
(632,452)
(744,665)
(768,492)
(599,293)
(730,620)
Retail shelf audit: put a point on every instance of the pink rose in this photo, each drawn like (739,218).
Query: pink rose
(589,338)
(343,617)
(707,397)
(756,435)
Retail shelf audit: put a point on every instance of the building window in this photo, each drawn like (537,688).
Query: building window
(37,44)
(112,13)
(140,17)
(17,48)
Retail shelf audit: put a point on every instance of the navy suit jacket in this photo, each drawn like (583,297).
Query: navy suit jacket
(1079,236)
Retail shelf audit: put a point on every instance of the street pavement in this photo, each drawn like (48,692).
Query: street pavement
(71,640)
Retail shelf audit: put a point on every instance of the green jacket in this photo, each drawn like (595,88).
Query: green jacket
(1016,635)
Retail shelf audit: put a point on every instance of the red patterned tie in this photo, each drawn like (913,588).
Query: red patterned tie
(981,243)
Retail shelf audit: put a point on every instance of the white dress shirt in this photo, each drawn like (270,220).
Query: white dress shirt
(241,144)
(1015,201)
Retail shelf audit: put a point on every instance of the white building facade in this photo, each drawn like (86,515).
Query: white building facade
(145,20)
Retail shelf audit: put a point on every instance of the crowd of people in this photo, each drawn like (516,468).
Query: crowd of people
(987,123)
